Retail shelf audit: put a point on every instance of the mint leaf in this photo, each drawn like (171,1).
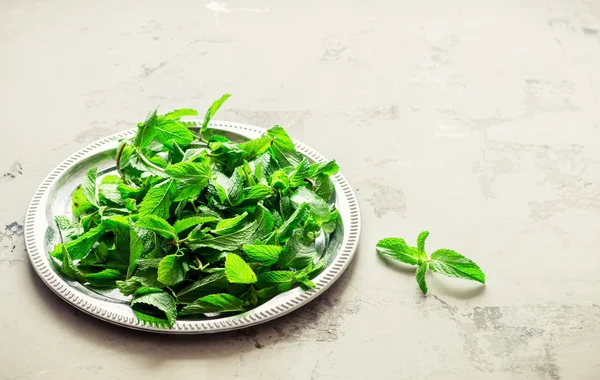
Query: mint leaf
(158,305)
(104,278)
(237,271)
(320,168)
(256,147)
(213,283)
(275,277)
(257,192)
(230,225)
(88,186)
(80,204)
(129,286)
(192,221)
(169,132)
(293,221)
(283,149)
(229,190)
(81,246)
(211,112)
(171,270)
(192,178)
(421,245)
(263,254)
(295,254)
(179,113)
(158,225)
(69,231)
(396,248)
(68,268)
(229,242)
(214,303)
(158,199)
(453,264)
(141,242)
(272,291)
(421,277)
(146,131)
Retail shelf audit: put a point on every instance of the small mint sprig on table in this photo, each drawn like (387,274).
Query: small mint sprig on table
(444,261)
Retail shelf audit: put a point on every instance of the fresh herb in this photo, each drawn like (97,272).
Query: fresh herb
(444,261)
(195,223)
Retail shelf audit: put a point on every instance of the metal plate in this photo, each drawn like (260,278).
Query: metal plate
(53,197)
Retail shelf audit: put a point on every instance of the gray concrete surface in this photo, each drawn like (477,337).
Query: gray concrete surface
(475,119)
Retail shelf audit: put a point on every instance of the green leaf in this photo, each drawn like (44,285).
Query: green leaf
(256,147)
(179,113)
(193,175)
(169,132)
(127,287)
(88,186)
(158,199)
(130,204)
(326,168)
(453,264)
(192,178)
(171,270)
(214,303)
(192,221)
(421,276)
(319,209)
(238,271)
(211,112)
(160,305)
(272,291)
(283,149)
(108,193)
(104,278)
(149,263)
(299,173)
(257,192)
(230,190)
(229,242)
(69,231)
(68,267)
(146,132)
(263,254)
(227,226)
(396,248)
(79,203)
(119,225)
(421,245)
(275,277)
(141,242)
(280,181)
(295,254)
(81,246)
(213,283)
(158,225)
(193,155)
(293,221)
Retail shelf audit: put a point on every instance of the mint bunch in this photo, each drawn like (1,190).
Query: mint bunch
(444,261)
(194,223)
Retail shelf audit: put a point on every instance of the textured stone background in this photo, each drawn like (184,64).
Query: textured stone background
(475,119)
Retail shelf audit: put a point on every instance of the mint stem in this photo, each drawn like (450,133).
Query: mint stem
(148,162)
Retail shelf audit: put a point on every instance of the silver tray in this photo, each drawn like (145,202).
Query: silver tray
(53,197)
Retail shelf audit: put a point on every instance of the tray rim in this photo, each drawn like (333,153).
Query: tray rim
(288,301)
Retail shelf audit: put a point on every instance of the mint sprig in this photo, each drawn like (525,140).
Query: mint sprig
(444,261)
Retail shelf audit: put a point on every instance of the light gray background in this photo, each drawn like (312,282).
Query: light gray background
(477,120)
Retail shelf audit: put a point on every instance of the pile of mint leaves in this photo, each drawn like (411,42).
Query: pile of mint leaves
(195,224)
